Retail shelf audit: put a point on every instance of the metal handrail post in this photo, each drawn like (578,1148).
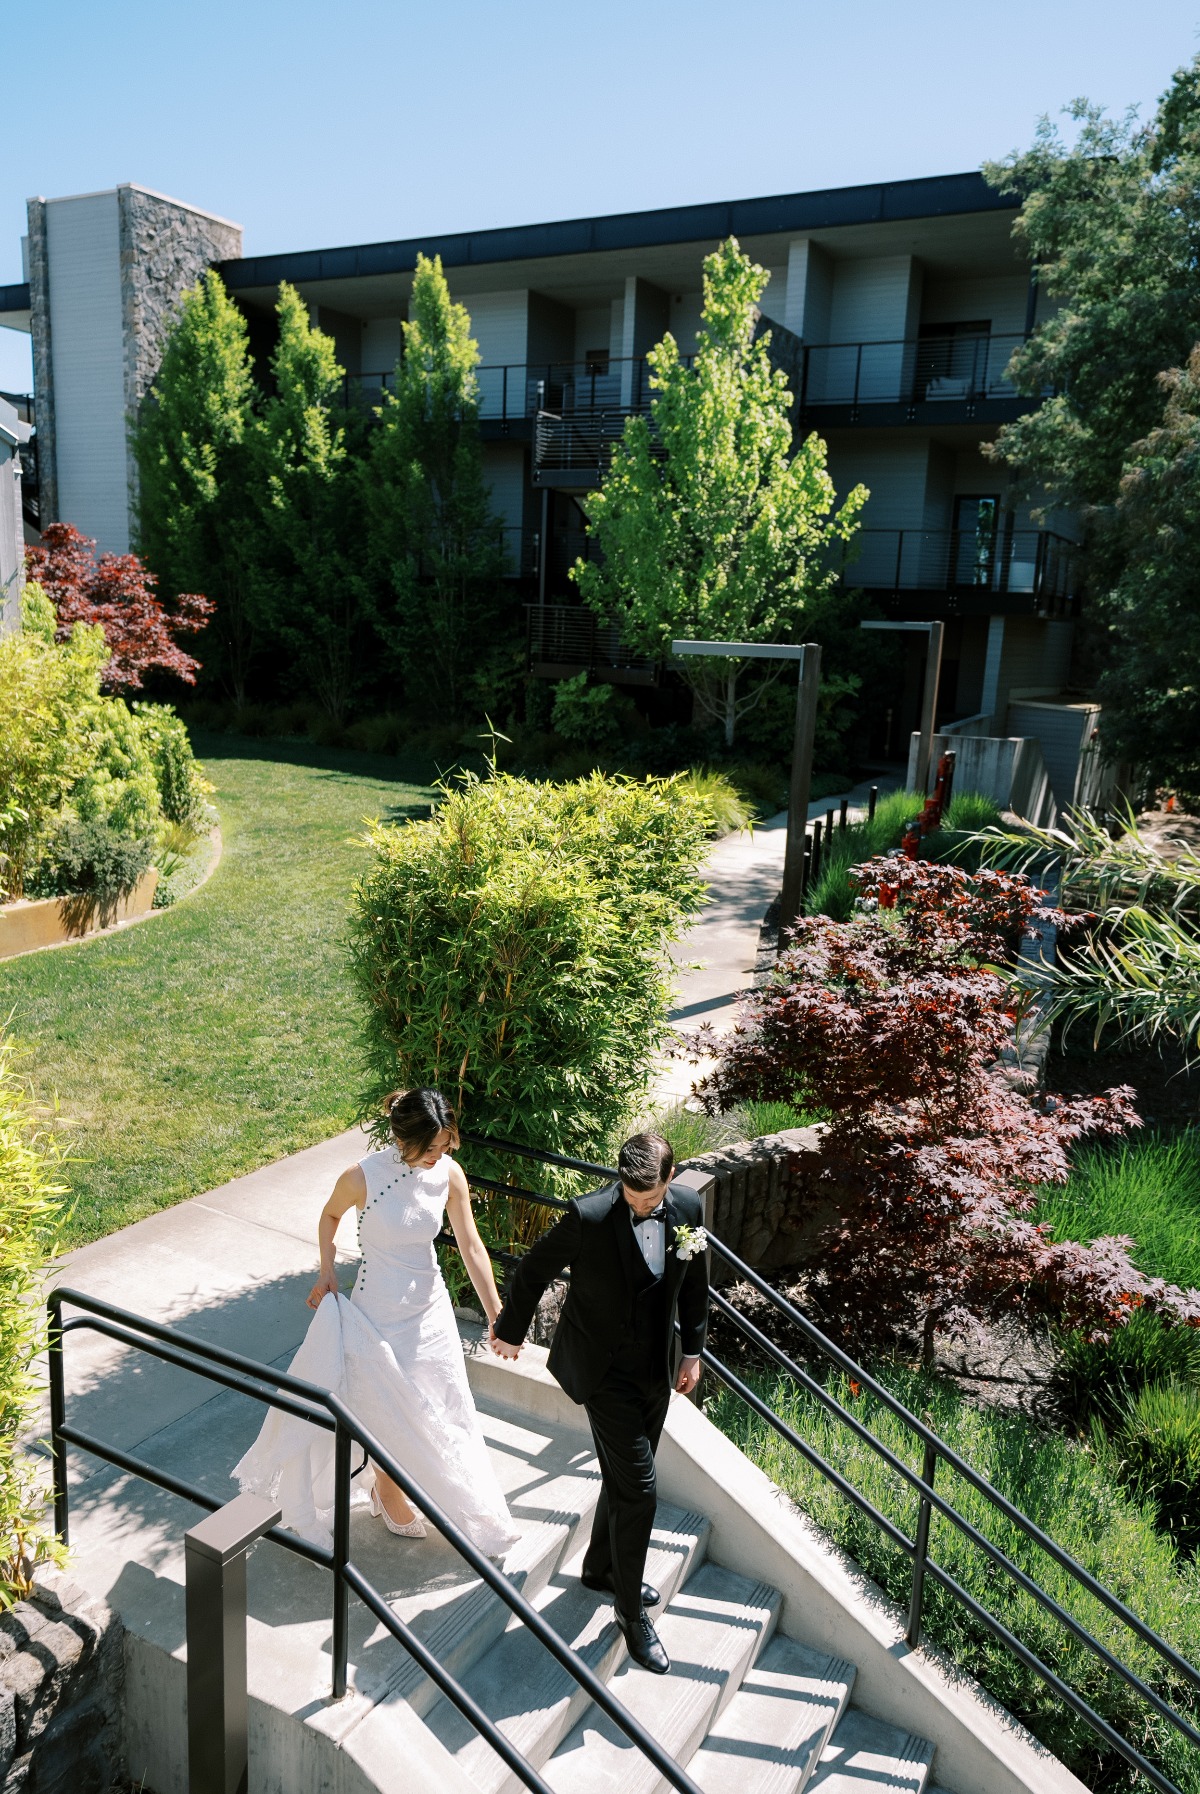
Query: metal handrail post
(58,1419)
(341,1556)
(921,1552)
(214,1554)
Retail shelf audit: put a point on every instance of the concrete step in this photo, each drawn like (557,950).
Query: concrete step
(773,1731)
(865,1756)
(522,1687)
(713,1630)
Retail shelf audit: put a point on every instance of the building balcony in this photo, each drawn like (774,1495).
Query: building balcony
(951,377)
(565,639)
(967,572)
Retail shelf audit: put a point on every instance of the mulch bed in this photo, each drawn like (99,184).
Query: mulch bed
(1167,1088)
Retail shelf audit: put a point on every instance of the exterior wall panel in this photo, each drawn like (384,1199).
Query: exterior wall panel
(380,345)
(500,325)
(83,245)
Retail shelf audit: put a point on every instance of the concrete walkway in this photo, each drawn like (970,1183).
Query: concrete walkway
(716,959)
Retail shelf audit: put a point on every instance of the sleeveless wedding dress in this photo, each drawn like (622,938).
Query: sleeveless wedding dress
(392,1353)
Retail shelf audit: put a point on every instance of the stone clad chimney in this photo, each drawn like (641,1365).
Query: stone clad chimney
(106,272)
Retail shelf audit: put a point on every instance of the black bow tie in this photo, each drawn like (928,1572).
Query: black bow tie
(656,1214)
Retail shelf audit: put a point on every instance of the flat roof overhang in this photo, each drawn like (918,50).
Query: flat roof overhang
(15,306)
(573,256)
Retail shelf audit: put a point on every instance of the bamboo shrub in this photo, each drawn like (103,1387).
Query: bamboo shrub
(30,1210)
(512,951)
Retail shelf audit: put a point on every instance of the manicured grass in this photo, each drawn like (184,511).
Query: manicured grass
(1068,1492)
(1148,1188)
(223,1034)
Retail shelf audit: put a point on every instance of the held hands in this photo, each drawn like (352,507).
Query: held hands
(689,1376)
(501,1347)
(326,1285)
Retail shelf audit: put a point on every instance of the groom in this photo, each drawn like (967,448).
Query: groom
(632,1269)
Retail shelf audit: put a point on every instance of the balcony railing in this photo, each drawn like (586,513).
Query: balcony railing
(517,390)
(933,370)
(929,370)
(570,636)
(1026,563)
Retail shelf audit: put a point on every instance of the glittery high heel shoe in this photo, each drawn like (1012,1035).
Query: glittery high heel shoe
(412,1529)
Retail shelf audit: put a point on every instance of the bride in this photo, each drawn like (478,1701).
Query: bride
(392,1352)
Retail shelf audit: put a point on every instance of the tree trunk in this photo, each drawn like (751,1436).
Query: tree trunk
(730,702)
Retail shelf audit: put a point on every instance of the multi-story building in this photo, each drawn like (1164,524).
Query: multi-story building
(895,307)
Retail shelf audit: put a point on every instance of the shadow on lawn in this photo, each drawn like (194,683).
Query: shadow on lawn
(412,768)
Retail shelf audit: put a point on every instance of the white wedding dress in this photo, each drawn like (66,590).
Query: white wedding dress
(393,1355)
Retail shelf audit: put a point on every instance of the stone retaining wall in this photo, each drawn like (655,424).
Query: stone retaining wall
(61,1681)
(759,1210)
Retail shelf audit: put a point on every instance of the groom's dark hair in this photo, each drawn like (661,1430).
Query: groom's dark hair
(644,1161)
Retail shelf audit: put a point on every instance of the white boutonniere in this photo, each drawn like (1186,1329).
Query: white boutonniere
(689,1241)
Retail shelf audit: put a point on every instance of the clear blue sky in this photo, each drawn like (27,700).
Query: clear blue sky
(354,122)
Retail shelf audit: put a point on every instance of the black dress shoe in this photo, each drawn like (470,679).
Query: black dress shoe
(604,1586)
(645,1646)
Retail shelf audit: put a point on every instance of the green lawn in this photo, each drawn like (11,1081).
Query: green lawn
(222,1034)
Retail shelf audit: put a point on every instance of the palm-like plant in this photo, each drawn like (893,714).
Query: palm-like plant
(1139,970)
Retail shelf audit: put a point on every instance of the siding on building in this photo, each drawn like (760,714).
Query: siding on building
(998,300)
(380,345)
(83,245)
(500,325)
(1063,731)
(592,327)
(504,469)
(12,534)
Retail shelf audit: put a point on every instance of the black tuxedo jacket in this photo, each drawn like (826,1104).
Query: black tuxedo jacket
(595,1242)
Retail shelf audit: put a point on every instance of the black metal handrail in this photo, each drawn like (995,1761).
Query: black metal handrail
(935,1448)
(323,1409)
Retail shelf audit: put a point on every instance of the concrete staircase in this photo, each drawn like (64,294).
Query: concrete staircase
(771,1631)
(745,1709)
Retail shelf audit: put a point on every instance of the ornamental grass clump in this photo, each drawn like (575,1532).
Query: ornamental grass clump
(511,950)
(31,1196)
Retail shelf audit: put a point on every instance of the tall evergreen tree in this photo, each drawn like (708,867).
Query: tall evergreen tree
(436,544)
(194,443)
(315,598)
(710,526)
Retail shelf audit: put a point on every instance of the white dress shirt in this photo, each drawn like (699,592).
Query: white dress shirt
(651,1236)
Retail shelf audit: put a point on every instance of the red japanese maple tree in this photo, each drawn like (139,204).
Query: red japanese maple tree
(894,1024)
(117,591)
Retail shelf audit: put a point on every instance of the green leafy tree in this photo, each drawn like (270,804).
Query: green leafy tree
(709,525)
(436,543)
(31,1211)
(194,443)
(315,598)
(1111,223)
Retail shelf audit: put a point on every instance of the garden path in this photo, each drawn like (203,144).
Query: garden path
(716,958)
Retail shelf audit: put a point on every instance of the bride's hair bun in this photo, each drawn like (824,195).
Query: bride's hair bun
(417,1117)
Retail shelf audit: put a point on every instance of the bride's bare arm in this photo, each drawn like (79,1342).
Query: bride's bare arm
(350,1191)
(474,1252)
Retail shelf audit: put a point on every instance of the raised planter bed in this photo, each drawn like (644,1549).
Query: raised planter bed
(30,923)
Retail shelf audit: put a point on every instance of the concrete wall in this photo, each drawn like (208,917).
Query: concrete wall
(1010,770)
(1064,731)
